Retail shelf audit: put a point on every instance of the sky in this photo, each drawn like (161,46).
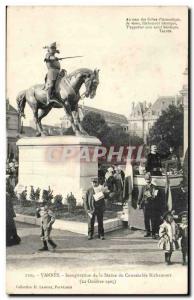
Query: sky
(135,65)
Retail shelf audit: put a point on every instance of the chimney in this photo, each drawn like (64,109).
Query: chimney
(133,108)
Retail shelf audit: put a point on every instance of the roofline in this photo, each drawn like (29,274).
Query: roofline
(106,111)
(12,107)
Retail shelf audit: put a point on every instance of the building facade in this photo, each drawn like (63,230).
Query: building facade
(143,115)
(112,119)
(13,129)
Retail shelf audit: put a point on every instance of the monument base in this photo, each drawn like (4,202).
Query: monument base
(63,163)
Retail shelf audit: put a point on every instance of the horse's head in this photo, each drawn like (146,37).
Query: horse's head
(91,83)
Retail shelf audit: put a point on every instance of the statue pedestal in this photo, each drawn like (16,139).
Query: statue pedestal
(65,163)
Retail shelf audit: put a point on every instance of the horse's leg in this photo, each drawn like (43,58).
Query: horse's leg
(34,106)
(35,113)
(73,125)
(38,127)
(77,123)
(41,114)
(68,112)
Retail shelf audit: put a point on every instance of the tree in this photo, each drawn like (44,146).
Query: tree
(95,125)
(168,128)
(135,140)
(115,136)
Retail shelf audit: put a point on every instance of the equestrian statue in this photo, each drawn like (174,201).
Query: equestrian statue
(61,90)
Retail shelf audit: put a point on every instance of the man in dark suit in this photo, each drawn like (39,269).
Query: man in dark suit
(148,201)
(95,206)
(154,164)
(12,237)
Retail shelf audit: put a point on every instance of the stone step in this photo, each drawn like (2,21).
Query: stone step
(77,227)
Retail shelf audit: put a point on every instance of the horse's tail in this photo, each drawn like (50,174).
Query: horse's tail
(21,103)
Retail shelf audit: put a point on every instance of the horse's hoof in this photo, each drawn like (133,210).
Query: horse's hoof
(77,133)
(85,133)
(38,134)
(43,134)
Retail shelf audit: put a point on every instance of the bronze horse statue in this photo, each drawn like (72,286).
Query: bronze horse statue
(66,96)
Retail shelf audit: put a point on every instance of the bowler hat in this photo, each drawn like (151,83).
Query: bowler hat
(148,176)
(183,214)
(94,179)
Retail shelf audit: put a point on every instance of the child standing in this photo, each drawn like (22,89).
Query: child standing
(47,219)
(168,234)
(183,234)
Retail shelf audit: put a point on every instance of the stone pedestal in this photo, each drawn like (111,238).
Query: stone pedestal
(65,163)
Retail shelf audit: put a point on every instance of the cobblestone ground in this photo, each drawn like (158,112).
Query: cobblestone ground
(122,248)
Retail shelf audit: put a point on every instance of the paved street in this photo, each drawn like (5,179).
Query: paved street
(125,262)
(121,248)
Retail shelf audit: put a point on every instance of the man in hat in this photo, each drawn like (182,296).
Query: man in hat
(119,181)
(95,207)
(53,65)
(110,180)
(12,237)
(110,183)
(148,201)
(183,235)
(154,163)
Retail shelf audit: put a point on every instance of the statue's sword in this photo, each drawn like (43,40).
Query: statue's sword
(67,57)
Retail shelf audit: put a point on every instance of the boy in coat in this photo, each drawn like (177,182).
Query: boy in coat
(47,220)
(168,234)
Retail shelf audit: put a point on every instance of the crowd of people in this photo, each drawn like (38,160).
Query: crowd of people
(110,186)
(164,228)
(159,222)
(12,170)
(113,179)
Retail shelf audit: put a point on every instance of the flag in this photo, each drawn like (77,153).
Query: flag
(169,201)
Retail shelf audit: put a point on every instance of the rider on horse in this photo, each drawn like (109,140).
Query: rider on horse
(60,91)
(54,67)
